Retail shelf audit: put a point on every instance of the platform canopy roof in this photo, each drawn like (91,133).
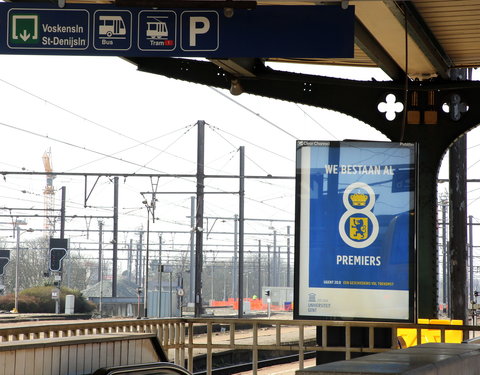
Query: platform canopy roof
(434,36)
(442,34)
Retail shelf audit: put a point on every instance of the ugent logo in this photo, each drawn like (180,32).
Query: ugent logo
(362,223)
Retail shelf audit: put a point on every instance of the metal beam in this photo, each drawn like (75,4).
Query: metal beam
(374,50)
(240,67)
(421,34)
(340,95)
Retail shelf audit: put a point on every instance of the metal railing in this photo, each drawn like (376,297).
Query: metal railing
(183,339)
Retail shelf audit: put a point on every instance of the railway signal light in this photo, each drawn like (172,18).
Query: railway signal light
(4,259)
(58,251)
(56,256)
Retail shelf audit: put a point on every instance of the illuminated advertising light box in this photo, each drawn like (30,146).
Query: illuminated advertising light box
(354,231)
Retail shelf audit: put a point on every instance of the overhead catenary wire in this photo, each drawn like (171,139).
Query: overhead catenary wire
(315,121)
(75,146)
(95,123)
(139,142)
(165,149)
(145,143)
(250,143)
(96,152)
(69,111)
(71,203)
(229,156)
(231,144)
(111,156)
(219,130)
(254,113)
(103,155)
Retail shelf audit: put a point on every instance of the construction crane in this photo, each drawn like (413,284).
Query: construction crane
(49,194)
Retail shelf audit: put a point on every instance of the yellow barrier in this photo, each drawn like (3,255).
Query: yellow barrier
(409,335)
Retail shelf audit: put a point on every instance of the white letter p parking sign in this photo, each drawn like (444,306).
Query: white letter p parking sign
(200,31)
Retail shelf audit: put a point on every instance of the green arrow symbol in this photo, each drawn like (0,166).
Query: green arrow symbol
(24,35)
(24,29)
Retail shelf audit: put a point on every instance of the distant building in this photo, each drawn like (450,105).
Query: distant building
(127,302)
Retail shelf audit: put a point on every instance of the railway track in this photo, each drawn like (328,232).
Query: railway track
(247,366)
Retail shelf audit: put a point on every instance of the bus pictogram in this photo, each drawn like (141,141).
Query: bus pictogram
(111,26)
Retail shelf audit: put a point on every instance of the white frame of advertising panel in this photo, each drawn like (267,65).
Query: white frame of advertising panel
(342,273)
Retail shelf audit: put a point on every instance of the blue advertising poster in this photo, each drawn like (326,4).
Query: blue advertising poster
(355,230)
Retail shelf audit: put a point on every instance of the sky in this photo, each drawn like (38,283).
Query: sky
(101,115)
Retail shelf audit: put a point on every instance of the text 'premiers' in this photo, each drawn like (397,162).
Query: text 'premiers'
(359,260)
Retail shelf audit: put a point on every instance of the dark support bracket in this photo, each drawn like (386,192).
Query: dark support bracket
(367,42)
(437,113)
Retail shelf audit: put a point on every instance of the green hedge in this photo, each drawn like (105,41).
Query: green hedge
(39,300)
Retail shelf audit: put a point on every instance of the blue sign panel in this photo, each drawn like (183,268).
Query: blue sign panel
(355,230)
(267,31)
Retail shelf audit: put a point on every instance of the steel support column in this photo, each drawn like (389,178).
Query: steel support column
(199,218)
(458,229)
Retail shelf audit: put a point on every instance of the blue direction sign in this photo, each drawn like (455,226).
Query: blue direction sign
(267,31)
